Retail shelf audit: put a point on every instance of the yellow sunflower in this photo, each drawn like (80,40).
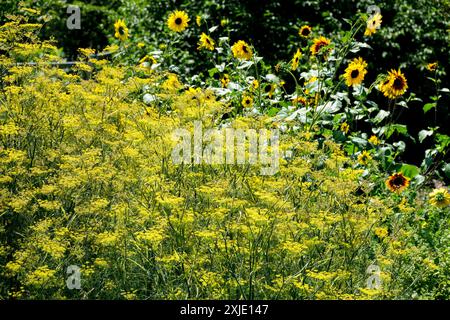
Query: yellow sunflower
(269,89)
(397,182)
(305,31)
(206,42)
(355,72)
(242,50)
(247,101)
(178,21)
(225,80)
(121,30)
(296,59)
(299,100)
(432,66)
(374,140)
(318,44)
(395,84)
(255,84)
(373,24)
(440,198)
(364,158)
(345,127)
(198,20)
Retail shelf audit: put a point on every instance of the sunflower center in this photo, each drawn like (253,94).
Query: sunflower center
(398,84)
(440,197)
(268,89)
(305,32)
(121,30)
(244,48)
(178,21)
(398,181)
(207,41)
(354,74)
(247,101)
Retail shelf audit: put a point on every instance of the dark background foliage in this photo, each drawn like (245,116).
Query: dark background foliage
(413,33)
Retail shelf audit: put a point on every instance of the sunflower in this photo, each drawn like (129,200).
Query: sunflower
(269,89)
(374,140)
(225,80)
(206,42)
(178,21)
(440,198)
(432,66)
(318,44)
(345,127)
(121,30)
(299,100)
(394,85)
(397,182)
(296,59)
(305,31)
(247,101)
(373,24)
(198,20)
(355,72)
(364,158)
(255,84)
(242,50)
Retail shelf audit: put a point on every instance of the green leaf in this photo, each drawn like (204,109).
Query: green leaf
(359,141)
(446,169)
(350,148)
(429,106)
(381,116)
(399,128)
(409,170)
(272,112)
(425,133)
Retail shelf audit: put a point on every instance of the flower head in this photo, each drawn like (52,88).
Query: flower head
(296,59)
(355,72)
(345,127)
(373,24)
(206,42)
(121,30)
(439,198)
(318,44)
(374,140)
(225,80)
(432,66)
(247,101)
(242,50)
(364,158)
(305,31)
(255,84)
(269,89)
(178,21)
(397,182)
(394,85)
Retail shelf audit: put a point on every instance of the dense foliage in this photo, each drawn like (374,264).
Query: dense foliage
(87,175)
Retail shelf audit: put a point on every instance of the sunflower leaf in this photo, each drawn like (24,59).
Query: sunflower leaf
(427,107)
(409,170)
